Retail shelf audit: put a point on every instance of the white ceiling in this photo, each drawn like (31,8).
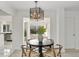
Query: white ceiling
(46,5)
(2,13)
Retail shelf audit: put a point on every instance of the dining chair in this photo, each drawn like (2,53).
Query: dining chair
(59,50)
(27,44)
(54,51)
(50,49)
(27,51)
(24,50)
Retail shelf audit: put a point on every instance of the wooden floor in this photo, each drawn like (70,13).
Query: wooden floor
(68,53)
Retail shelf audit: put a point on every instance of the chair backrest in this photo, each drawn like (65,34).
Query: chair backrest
(27,40)
(52,40)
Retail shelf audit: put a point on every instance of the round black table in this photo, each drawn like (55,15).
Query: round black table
(44,43)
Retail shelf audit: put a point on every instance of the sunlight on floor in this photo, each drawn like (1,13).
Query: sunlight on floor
(7,52)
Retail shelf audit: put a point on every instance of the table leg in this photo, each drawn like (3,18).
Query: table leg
(40,50)
(50,46)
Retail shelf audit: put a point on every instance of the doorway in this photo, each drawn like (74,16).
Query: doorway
(70,39)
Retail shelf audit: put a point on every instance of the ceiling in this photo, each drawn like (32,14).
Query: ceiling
(2,13)
(46,5)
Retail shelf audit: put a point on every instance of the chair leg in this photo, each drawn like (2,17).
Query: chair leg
(23,52)
(60,48)
(59,53)
(30,52)
(54,52)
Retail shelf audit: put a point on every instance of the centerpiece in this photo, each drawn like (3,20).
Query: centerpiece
(41,31)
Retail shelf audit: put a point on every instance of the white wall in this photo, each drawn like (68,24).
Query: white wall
(17,35)
(57,25)
(1,41)
(53,23)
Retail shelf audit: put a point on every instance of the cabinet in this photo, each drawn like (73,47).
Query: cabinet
(7,36)
(6,30)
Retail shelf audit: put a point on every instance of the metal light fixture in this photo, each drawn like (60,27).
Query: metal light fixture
(36,13)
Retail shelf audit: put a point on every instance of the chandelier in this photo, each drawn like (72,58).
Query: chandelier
(36,12)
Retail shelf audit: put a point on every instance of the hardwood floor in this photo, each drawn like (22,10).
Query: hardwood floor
(68,53)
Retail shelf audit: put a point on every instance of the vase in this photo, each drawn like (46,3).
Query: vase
(40,37)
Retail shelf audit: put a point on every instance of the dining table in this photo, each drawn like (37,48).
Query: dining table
(40,44)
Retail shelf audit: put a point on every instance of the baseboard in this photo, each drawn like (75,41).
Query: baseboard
(70,49)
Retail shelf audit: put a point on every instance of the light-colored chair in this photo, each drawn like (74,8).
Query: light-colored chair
(24,50)
(54,51)
(28,52)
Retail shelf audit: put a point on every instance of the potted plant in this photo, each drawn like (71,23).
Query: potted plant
(41,31)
